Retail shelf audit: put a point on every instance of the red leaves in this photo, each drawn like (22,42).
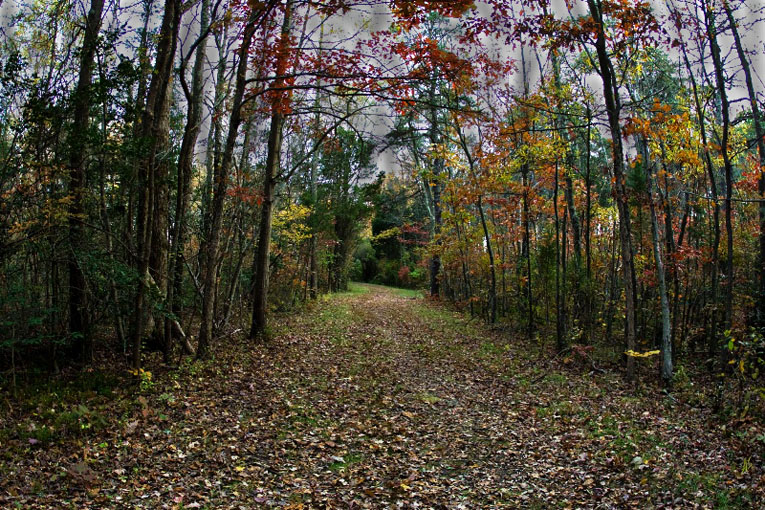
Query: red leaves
(411,13)
(387,63)
(429,58)
(413,234)
(628,22)
(245,194)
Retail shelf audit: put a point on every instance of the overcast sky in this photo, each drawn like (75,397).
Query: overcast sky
(360,22)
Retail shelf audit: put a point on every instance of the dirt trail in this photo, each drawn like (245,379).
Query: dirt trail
(373,399)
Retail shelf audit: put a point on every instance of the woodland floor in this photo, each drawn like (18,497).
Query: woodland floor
(374,399)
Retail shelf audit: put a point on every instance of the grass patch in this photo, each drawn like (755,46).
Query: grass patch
(429,398)
(490,350)
(408,293)
(556,379)
(61,408)
(355,289)
(340,464)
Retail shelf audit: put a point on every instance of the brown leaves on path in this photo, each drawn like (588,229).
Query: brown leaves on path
(373,400)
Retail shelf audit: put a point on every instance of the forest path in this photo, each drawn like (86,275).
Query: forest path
(376,399)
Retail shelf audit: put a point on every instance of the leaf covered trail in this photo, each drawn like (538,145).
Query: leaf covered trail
(373,399)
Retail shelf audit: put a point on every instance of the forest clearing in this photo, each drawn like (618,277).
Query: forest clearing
(376,399)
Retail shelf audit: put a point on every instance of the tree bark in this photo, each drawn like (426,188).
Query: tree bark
(185,172)
(759,133)
(613,108)
(152,135)
(78,302)
(666,330)
(727,163)
(313,271)
(435,184)
(589,321)
(221,176)
(715,262)
(492,270)
(560,340)
(526,250)
(262,266)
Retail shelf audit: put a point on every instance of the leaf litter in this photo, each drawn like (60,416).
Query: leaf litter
(372,400)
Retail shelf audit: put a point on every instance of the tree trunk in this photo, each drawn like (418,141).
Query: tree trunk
(119,325)
(435,261)
(727,164)
(570,212)
(435,184)
(466,290)
(666,331)
(715,262)
(487,237)
(160,244)
(613,108)
(209,271)
(560,341)
(262,266)
(759,133)
(589,321)
(185,173)
(576,232)
(139,106)
(313,271)
(313,266)
(526,250)
(212,146)
(153,135)
(78,303)
(492,270)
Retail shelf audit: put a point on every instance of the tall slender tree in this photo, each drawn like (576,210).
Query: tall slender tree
(154,135)
(78,302)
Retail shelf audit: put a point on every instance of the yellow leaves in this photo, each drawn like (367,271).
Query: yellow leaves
(143,374)
(688,157)
(451,157)
(606,214)
(290,223)
(53,212)
(20,226)
(145,382)
(292,213)
(386,234)
(647,354)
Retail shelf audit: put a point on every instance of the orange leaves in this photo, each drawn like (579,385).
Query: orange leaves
(405,106)
(637,126)
(660,122)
